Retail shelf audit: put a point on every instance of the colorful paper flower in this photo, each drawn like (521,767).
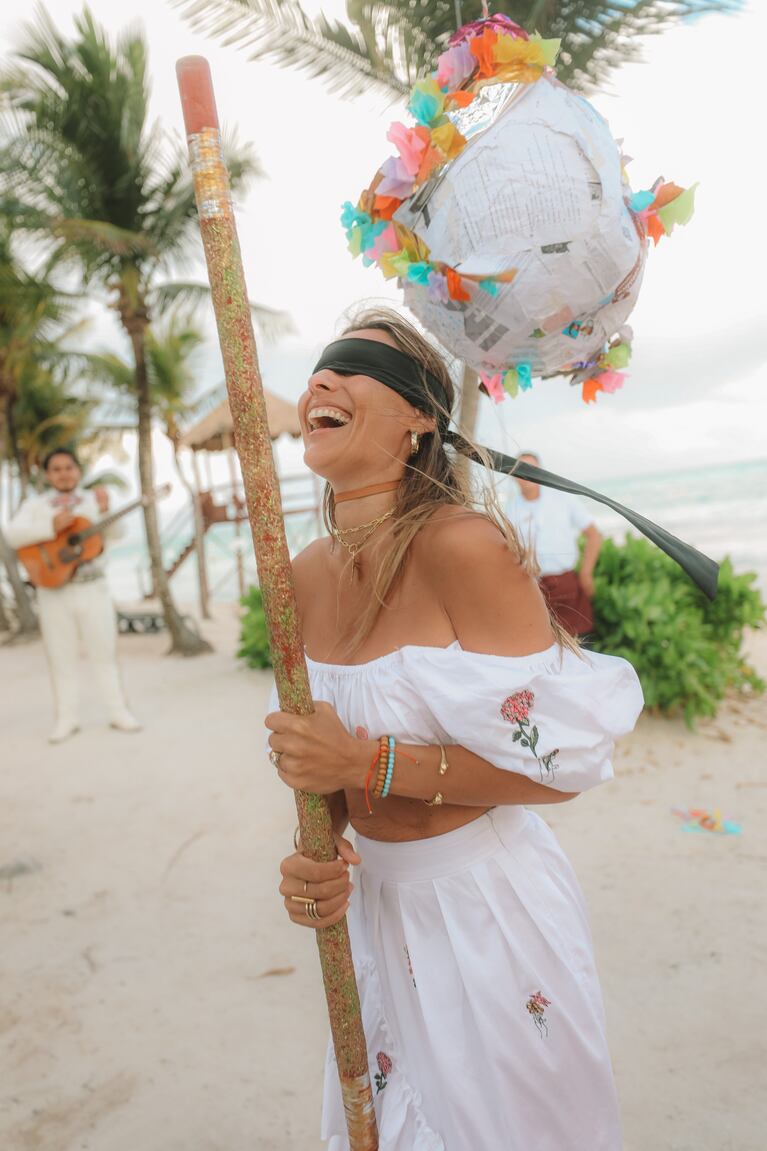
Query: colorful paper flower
(493,387)
(455,65)
(426,101)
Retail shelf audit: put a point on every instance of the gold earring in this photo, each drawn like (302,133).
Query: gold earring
(415,442)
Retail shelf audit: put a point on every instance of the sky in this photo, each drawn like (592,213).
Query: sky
(697,389)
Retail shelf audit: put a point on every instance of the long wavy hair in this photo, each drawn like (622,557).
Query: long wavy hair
(436,475)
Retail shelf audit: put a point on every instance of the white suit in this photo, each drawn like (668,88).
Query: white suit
(79,613)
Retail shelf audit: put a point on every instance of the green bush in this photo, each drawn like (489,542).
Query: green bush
(254,638)
(686,650)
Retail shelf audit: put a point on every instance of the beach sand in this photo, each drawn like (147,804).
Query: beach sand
(155,996)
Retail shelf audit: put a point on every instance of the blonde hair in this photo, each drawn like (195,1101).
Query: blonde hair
(436,475)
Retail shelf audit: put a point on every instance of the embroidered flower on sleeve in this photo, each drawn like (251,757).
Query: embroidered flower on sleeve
(361,732)
(536,1005)
(516,709)
(384,1069)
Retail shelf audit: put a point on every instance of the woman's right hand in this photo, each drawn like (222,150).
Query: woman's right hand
(327,883)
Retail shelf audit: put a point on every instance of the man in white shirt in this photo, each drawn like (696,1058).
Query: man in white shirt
(551,523)
(82,609)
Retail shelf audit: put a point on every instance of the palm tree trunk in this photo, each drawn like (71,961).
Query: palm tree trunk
(467,419)
(184,641)
(27,625)
(199,531)
(21,461)
(5,623)
(469,402)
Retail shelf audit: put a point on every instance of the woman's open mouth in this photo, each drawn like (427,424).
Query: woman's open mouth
(326,419)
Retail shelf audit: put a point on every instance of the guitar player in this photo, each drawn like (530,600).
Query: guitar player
(81,612)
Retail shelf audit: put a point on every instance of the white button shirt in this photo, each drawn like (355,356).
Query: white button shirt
(550,525)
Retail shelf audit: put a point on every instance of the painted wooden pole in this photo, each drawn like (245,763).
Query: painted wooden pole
(262,492)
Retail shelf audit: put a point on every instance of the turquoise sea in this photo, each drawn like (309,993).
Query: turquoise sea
(722,510)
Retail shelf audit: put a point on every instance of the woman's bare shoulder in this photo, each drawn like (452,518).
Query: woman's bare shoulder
(492,600)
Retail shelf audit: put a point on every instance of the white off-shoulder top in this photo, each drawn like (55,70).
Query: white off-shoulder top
(552,716)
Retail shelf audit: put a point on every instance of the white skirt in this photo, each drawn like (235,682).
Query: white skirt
(480,998)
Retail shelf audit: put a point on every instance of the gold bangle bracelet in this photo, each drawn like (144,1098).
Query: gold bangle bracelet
(443,764)
(297,838)
(439,798)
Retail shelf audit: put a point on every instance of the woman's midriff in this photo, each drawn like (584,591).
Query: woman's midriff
(398,820)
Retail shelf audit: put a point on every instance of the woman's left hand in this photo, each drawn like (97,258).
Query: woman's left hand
(316,752)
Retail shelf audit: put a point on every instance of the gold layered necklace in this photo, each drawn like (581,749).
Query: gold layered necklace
(354,539)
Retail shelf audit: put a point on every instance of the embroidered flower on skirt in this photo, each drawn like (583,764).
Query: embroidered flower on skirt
(536,1005)
(516,709)
(384,1069)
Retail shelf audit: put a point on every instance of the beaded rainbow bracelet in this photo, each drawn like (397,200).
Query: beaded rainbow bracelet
(389,766)
(383,763)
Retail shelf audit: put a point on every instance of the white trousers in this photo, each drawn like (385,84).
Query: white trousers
(81,614)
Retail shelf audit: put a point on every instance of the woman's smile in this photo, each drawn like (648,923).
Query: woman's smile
(326,417)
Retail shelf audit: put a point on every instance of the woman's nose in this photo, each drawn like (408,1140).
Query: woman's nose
(323,381)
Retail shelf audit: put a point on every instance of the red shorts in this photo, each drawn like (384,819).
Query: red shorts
(569,604)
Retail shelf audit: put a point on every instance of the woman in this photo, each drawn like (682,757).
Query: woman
(423,625)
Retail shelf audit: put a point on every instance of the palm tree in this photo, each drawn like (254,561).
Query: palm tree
(170,348)
(391,43)
(110,194)
(33,313)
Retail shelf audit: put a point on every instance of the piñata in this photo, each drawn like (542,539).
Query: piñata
(508,218)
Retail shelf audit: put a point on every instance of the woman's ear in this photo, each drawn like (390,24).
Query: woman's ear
(423,423)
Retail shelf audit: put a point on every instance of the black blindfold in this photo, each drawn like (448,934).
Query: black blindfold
(360,357)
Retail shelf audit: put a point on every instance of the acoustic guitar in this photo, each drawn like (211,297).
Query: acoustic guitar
(52,563)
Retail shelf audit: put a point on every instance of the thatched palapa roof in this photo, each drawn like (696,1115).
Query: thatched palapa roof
(213,433)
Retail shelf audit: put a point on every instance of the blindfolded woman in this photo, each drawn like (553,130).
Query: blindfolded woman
(447,702)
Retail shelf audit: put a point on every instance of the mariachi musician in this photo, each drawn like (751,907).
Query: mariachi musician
(81,610)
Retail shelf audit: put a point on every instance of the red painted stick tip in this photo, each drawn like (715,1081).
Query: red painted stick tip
(196,88)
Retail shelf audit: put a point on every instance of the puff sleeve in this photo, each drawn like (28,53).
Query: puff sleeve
(553,716)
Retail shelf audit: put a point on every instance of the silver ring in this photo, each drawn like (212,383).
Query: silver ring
(274,756)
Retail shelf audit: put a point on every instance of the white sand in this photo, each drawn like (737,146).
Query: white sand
(137,1009)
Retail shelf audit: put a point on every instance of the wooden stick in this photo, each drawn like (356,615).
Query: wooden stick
(262,492)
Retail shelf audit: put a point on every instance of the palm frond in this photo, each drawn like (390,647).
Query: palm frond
(82,165)
(281,31)
(105,370)
(272,324)
(106,480)
(391,43)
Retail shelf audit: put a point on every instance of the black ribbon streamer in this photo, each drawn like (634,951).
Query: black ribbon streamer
(702,570)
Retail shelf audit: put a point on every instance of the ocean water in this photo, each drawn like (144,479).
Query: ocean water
(721,510)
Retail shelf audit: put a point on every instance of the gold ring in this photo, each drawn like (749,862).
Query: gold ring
(274,756)
(300,899)
(311,909)
(306,886)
